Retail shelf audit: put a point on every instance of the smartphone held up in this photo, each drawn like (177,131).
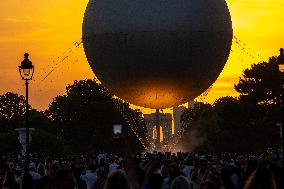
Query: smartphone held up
(117,130)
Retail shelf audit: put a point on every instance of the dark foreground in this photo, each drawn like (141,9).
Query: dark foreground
(145,171)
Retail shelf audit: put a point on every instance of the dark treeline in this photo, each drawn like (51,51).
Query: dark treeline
(238,124)
(78,122)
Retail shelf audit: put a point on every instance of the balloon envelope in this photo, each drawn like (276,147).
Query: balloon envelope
(157,53)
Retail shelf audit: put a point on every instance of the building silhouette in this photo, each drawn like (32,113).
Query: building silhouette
(165,121)
(177,112)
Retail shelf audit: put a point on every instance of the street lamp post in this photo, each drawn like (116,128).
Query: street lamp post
(26,70)
(280,62)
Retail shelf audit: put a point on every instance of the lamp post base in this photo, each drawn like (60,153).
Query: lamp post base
(22,132)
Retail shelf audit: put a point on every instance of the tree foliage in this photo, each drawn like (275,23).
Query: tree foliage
(261,83)
(196,123)
(12,110)
(12,105)
(78,122)
(9,143)
(38,120)
(230,125)
(85,115)
(49,144)
(246,123)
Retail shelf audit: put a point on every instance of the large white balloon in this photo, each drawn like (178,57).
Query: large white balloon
(157,53)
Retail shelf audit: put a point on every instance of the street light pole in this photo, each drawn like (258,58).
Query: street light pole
(26,70)
(27,124)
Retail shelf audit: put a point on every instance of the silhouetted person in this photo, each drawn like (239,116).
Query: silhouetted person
(174,172)
(278,173)
(199,174)
(140,174)
(10,181)
(27,182)
(41,170)
(180,182)
(117,179)
(65,179)
(261,178)
(19,177)
(155,181)
(47,182)
(208,185)
(52,169)
(100,181)
(89,175)
(251,165)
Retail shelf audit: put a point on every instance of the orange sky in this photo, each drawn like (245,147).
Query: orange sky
(47,29)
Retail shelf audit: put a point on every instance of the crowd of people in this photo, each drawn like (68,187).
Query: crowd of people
(144,171)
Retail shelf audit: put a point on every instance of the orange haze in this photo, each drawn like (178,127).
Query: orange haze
(47,29)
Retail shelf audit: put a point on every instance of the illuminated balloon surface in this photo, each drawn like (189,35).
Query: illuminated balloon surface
(157,53)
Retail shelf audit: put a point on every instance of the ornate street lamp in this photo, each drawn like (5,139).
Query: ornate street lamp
(26,70)
(280,62)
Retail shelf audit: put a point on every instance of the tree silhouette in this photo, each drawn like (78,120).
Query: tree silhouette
(230,125)
(246,123)
(12,110)
(12,105)
(9,143)
(49,144)
(261,83)
(85,116)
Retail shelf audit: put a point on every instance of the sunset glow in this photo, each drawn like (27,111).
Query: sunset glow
(51,32)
